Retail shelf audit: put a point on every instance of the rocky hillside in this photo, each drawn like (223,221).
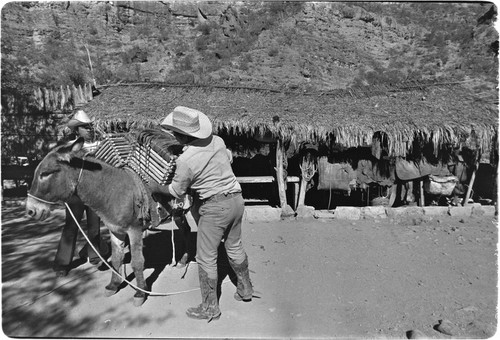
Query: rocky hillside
(316,46)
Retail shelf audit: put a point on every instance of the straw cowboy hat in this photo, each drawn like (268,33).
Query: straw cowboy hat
(80,118)
(189,122)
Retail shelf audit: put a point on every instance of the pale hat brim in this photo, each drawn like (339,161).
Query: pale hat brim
(73,123)
(203,132)
(79,119)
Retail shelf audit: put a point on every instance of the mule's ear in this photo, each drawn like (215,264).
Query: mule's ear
(77,145)
(66,153)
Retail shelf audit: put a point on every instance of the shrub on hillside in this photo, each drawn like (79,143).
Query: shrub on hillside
(289,36)
(102,74)
(186,63)
(244,65)
(134,55)
(347,12)
(200,44)
(273,51)
(163,34)
(93,30)
(247,57)
(180,78)
(77,76)
(208,28)
(285,8)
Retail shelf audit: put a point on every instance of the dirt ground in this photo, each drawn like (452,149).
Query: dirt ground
(314,278)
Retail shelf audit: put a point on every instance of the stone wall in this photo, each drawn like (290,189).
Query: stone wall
(268,214)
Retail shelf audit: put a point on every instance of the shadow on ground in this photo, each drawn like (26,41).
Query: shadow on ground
(28,249)
(36,302)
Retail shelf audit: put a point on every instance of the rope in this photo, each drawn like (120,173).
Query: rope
(173,243)
(41,200)
(115,272)
(151,293)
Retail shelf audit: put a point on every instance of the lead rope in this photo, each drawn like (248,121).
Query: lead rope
(106,262)
(114,271)
(151,293)
(41,200)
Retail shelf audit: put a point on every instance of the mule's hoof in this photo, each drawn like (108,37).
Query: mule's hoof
(183,260)
(61,270)
(139,301)
(139,298)
(109,292)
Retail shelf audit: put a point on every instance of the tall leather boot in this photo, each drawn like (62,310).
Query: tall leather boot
(244,288)
(209,307)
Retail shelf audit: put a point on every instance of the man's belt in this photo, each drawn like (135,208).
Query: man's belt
(221,197)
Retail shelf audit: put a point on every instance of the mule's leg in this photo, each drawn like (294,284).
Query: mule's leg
(137,261)
(117,256)
(184,259)
(185,231)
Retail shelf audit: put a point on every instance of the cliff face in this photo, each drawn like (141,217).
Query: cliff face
(305,45)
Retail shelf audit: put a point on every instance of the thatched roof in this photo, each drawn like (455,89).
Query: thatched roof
(441,113)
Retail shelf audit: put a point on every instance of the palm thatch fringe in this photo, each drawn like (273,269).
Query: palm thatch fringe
(63,99)
(439,113)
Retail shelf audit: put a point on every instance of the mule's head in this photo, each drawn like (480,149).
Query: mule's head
(55,179)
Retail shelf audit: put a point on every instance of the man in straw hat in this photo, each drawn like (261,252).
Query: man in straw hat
(81,125)
(204,168)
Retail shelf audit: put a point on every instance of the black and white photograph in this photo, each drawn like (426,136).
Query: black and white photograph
(249,169)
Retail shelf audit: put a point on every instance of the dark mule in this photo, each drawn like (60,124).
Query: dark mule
(117,195)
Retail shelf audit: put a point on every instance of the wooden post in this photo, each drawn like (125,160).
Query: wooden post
(422,198)
(308,169)
(296,194)
(471,184)
(302,191)
(394,192)
(279,174)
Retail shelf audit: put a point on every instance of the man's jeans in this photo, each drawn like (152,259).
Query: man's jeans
(220,220)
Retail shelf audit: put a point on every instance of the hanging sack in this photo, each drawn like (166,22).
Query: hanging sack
(436,185)
(335,176)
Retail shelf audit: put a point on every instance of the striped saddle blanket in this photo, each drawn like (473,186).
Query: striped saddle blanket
(149,153)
